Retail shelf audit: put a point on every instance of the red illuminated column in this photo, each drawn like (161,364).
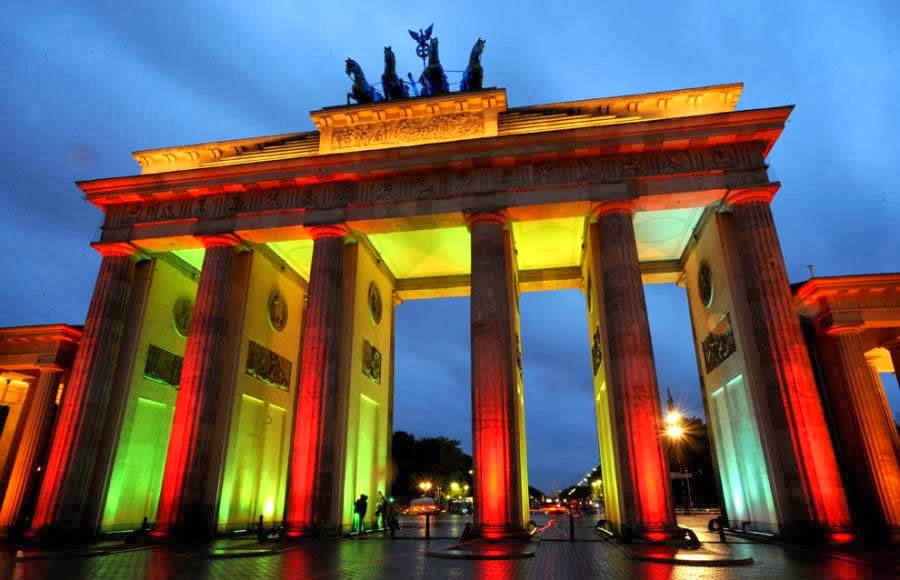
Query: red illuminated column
(501,489)
(59,512)
(313,498)
(37,416)
(812,493)
(862,418)
(187,503)
(631,377)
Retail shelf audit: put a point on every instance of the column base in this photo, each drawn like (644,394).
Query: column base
(647,534)
(499,533)
(56,537)
(322,532)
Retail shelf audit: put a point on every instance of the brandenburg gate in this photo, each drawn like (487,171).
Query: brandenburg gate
(237,357)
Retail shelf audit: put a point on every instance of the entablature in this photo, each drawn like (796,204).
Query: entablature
(865,301)
(664,135)
(451,117)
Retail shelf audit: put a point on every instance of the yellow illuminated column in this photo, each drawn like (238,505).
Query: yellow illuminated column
(645,499)
(34,426)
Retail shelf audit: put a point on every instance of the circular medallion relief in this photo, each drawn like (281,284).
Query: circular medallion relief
(374,303)
(705,284)
(182,311)
(277,309)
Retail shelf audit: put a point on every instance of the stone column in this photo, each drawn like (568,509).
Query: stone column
(187,503)
(894,348)
(61,501)
(313,496)
(631,377)
(811,494)
(497,421)
(35,424)
(870,439)
(882,395)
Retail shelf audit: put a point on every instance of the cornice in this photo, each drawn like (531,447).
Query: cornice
(41,333)
(761,125)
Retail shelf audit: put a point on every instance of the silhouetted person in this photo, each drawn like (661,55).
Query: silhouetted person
(360,508)
(380,504)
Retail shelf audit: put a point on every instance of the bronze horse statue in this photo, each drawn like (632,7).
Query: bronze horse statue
(473,76)
(433,79)
(393,87)
(362,92)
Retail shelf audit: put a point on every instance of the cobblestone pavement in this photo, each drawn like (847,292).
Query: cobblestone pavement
(375,556)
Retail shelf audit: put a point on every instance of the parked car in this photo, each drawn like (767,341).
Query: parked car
(422,505)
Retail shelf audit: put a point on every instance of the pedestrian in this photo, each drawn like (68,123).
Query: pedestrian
(380,504)
(359,512)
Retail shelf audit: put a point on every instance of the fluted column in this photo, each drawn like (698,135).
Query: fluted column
(811,493)
(61,501)
(894,349)
(187,504)
(862,420)
(631,377)
(35,423)
(313,497)
(501,490)
(871,361)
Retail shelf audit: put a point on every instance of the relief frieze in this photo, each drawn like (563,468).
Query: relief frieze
(409,131)
(447,184)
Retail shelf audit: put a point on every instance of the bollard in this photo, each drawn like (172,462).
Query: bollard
(571,525)
(427,526)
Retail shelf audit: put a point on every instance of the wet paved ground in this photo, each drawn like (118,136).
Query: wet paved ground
(375,556)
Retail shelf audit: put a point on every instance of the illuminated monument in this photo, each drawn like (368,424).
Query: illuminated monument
(237,358)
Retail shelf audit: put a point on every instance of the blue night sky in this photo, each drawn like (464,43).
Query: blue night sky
(86,86)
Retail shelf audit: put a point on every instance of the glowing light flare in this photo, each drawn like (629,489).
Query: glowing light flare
(674,432)
(673,417)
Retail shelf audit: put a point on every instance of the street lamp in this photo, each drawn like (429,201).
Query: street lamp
(675,432)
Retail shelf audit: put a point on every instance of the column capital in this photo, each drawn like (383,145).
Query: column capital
(842,328)
(892,345)
(328,231)
(220,241)
(498,216)
(763,194)
(50,368)
(395,299)
(605,208)
(115,249)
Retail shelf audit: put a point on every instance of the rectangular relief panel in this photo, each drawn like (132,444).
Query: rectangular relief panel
(137,477)
(163,366)
(268,367)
